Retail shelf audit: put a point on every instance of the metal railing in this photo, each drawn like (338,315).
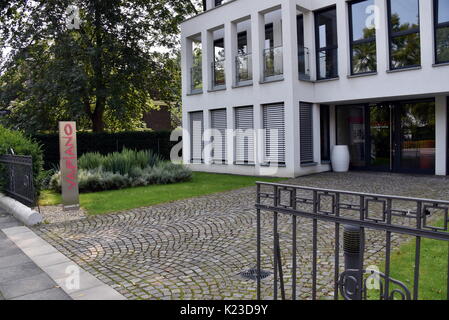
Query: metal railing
(196,79)
(304,63)
(244,68)
(327,64)
(273,62)
(388,217)
(218,73)
(18,178)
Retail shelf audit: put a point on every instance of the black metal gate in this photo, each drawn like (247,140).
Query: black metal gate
(383,214)
(18,179)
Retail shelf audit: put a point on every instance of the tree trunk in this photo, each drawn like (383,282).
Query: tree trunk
(98,113)
(97,121)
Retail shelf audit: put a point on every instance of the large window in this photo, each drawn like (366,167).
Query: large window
(303,52)
(362,36)
(441,31)
(405,50)
(326,43)
(218,65)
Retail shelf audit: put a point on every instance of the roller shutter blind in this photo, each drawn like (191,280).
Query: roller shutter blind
(274,125)
(196,136)
(219,124)
(306,132)
(244,135)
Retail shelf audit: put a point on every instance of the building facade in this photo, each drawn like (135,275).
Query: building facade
(270,86)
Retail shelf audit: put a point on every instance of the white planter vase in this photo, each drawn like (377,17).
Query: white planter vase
(340,159)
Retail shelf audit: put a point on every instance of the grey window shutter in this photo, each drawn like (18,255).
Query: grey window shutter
(306,132)
(244,135)
(219,124)
(274,125)
(196,136)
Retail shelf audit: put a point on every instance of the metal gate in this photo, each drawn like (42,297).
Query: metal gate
(387,215)
(18,179)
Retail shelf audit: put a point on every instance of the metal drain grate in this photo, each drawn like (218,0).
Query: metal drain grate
(251,274)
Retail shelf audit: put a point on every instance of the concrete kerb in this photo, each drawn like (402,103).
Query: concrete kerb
(21,212)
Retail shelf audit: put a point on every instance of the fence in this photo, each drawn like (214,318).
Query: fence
(18,179)
(383,214)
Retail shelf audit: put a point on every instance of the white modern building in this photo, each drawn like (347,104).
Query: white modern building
(307,75)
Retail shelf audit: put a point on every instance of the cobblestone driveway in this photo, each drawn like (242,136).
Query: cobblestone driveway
(197,248)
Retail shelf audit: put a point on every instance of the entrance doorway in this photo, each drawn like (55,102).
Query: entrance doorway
(393,136)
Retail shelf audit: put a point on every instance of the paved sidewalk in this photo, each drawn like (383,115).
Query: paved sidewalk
(20,277)
(32,269)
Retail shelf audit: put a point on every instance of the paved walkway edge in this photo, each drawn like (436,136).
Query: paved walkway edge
(76,282)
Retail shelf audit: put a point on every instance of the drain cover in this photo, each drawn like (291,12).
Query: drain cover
(251,274)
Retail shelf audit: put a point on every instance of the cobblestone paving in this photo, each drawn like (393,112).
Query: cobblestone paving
(197,248)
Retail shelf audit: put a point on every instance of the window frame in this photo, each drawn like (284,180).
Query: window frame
(436,26)
(353,42)
(318,49)
(391,36)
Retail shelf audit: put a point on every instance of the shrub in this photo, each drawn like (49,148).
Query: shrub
(90,161)
(123,170)
(23,146)
(125,162)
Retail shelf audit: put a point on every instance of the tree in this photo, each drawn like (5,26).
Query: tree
(104,72)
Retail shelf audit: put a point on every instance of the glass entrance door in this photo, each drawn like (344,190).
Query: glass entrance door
(415,139)
(395,137)
(380,130)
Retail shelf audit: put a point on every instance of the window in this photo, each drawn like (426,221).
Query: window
(441,31)
(218,66)
(274,126)
(244,135)
(405,50)
(303,52)
(219,125)
(350,121)
(269,36)
(362,36)
(325,133)
(196,136)
(196,72)
(244,74)
(242,42)
(326,43)
(306,132)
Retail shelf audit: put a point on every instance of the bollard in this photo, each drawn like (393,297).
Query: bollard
(352,236)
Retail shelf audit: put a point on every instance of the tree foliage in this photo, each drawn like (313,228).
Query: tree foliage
(104,73)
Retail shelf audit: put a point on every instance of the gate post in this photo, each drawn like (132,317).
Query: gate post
(352,237)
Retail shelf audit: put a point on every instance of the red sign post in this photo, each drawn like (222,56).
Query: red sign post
(69,165)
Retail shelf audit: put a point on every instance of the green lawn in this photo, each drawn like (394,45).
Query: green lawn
(118,200)
(433,268)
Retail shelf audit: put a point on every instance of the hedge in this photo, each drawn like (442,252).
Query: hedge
(105,143)
(22,146)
